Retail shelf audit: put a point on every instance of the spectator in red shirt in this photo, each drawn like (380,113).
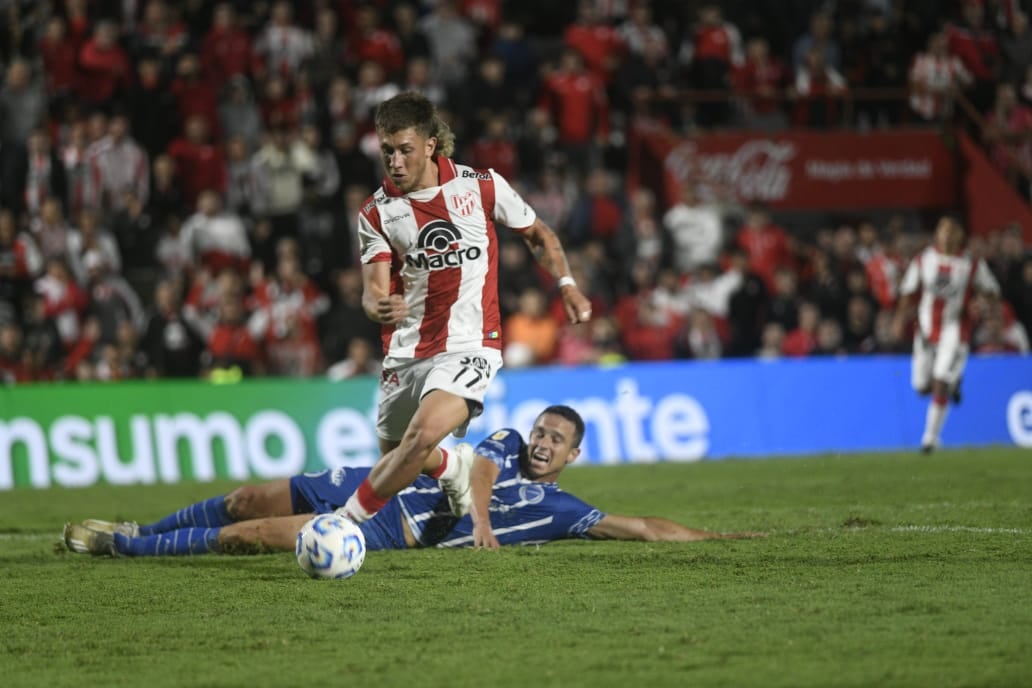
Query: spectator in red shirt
(194,95)
(576,99)
(1009,133)
(64,302)
(819,89)
(231,344)
(486,16)
(227,49)
(160,33)
(976,46)
(199,163)
(599,44)
(78,22)
(103,67)
(288,307)
(802,341)
(596,215)
(766,244)
(760,81)
(59,58)
(648,331)
(278,106)
(371,42)
(712,51)
(496,149)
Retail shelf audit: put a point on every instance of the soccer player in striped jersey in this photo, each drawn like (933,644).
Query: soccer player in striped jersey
(516,500)
(942,280)
(430,276)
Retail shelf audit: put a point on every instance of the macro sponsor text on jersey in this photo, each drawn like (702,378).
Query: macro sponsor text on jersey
(442,249)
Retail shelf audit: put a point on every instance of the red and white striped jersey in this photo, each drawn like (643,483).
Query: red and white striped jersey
(946,283)
(443,251)
(938,76)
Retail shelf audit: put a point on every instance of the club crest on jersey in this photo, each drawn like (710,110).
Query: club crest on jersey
(464,204)
(942,283)
(439,247)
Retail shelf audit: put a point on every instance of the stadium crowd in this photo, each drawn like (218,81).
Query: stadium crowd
(180,181)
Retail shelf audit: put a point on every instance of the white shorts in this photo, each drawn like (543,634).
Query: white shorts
(944,360)
(464,374)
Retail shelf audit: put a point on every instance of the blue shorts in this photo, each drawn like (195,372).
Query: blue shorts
(327,491)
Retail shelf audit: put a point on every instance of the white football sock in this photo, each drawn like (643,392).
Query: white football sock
(353,511)
(934,421)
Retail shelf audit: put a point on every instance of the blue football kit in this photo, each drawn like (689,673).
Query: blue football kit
(522,511)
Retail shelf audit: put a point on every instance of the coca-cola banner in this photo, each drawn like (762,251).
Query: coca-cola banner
(803,170)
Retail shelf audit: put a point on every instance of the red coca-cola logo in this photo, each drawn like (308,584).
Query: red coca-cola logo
(758,170)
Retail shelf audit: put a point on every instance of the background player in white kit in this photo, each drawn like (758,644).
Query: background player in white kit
(945,277)
(430,277)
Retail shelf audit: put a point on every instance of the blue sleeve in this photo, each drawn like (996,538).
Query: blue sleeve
(575,517)
(504,448)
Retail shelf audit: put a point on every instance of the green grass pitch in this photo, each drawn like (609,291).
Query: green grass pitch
(879,570)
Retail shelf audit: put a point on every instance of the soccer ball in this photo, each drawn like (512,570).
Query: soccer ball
(330,546)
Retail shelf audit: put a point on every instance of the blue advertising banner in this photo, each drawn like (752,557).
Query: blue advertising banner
(145,432)
(750,408)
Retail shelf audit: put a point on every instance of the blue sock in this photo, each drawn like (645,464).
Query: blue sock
(207,514)
(173,543)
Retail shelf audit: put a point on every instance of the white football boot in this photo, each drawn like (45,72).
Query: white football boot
(82,540)
(457,488)
(127,528)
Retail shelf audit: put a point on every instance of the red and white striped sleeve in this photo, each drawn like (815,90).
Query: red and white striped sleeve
(509,207)
(372,242)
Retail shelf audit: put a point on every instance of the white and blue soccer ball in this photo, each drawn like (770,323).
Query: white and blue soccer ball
(330,546)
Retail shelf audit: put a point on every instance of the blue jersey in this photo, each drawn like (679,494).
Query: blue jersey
(522,511)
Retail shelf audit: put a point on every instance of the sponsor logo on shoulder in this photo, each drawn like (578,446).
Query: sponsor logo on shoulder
(500,435)
(368,207)
(473,174)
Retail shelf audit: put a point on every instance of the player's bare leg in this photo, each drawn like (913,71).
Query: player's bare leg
(255,536)
(938,407)
(260,501)
(439,413)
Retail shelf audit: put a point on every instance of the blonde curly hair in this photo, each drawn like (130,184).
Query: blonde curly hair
(411,109)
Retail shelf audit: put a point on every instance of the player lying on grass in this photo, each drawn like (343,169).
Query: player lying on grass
(516,500)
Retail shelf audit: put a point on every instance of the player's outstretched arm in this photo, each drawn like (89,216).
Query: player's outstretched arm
(654,529)
(545,246)
(482,479)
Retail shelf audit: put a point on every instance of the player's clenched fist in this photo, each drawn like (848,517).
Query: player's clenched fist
(576,305)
